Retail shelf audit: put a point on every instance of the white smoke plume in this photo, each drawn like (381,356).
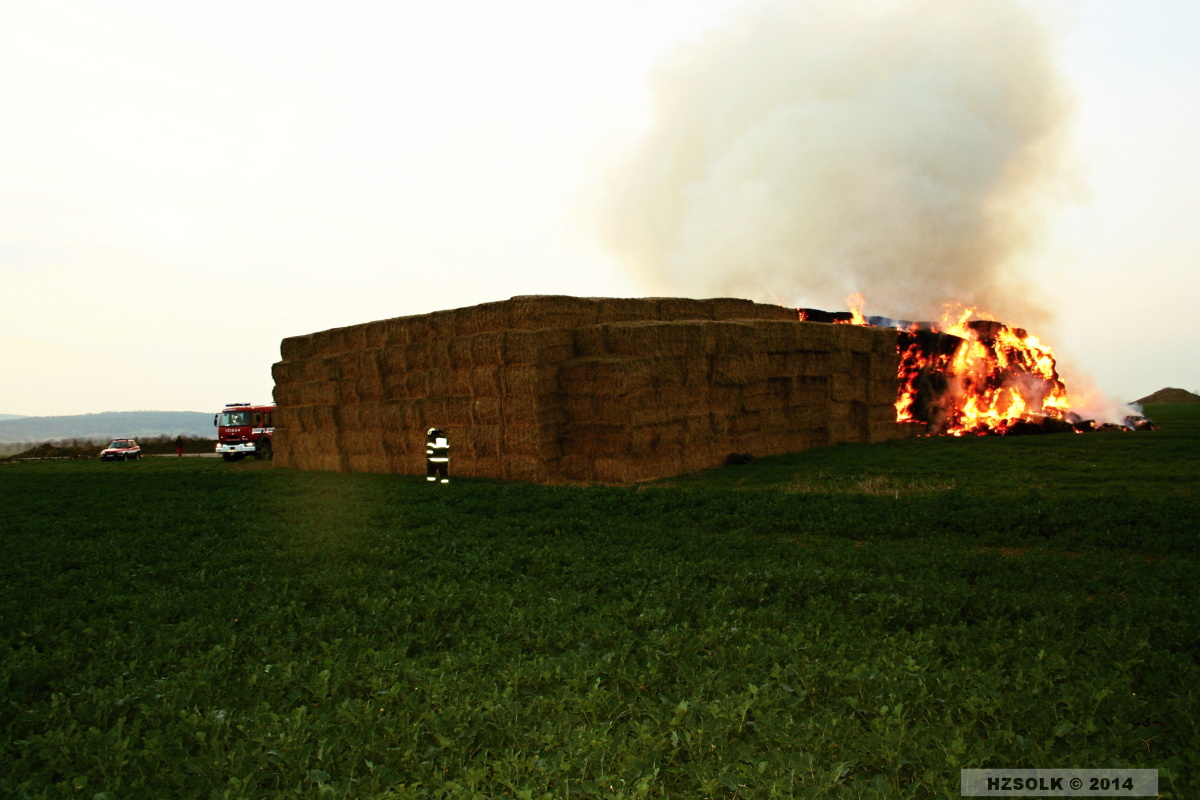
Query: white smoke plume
(904,149)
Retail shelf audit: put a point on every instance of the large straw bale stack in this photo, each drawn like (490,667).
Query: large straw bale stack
(487,349)
(579,468)
(735,308)
(596,376)
(418,414)
(320,368)
(346,391)
(407,358)
(288,394)
(672,309)
(476,467)
(877,414)
(670,376)
(440,381)
(391,415)
(486,381)
(347,416)
(538,312)
(591,410)
(370,378)
(642,339)
(296,348)
(606,469)
(531,439)
(293,419)
(324,441)
(362,444)
(882,393)
(455,382)
(840,361)
(338,340)
(331,342)
(655,442)
(395,386)
(420,330)
(623,309)
(847,387)
(486,318)
(530,469)
(318,343)
(812,390)
(806,338)
(398,444)
(288,372)
(321,417)
(408,384)
(285,440)
(446,323)
(433,411)
(437,354)
(531,378)
(355,338)
(803,363)
(589,341)
(395,332)
(546,346)
(525,409)
(596,439)
(738,369)
(458,411)
(321,461)
(856,338)
(483,441)
(487,410)
(764,395)
(737,337)
(563,388)
(458,350)
(393,360)
(376,334)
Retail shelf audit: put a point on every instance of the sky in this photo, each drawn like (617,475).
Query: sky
(184,185)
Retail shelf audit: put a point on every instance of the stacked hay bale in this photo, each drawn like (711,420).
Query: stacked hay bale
(550,389)
(654,399)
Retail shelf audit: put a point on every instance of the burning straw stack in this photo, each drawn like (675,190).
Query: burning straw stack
(554,389)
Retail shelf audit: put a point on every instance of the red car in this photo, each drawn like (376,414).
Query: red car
(121,450)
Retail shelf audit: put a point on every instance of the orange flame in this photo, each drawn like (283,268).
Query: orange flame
(973,375)
(855,303)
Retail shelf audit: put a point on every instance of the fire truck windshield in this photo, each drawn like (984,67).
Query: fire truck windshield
(233,419)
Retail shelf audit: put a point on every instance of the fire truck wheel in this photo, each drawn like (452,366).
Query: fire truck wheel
(263,453)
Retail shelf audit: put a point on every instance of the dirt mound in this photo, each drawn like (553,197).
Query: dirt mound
(1165,396)
(165,445)
(51,450)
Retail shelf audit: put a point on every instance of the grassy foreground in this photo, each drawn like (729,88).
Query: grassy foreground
(857,622)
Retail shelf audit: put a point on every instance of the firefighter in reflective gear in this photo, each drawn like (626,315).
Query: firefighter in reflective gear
(437,456)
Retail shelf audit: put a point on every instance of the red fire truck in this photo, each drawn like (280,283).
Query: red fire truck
(244,429)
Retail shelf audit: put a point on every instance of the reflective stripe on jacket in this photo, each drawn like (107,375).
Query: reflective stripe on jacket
(437,451)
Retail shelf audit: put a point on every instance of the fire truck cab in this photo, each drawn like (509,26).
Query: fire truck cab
(244,429)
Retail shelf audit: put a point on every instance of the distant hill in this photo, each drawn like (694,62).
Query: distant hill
(1165,396)
(12,416)
(107,425)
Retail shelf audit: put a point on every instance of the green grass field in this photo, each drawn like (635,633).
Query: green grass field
(856,622)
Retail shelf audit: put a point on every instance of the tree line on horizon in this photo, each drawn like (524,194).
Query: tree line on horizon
(108,424)
(91,447)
